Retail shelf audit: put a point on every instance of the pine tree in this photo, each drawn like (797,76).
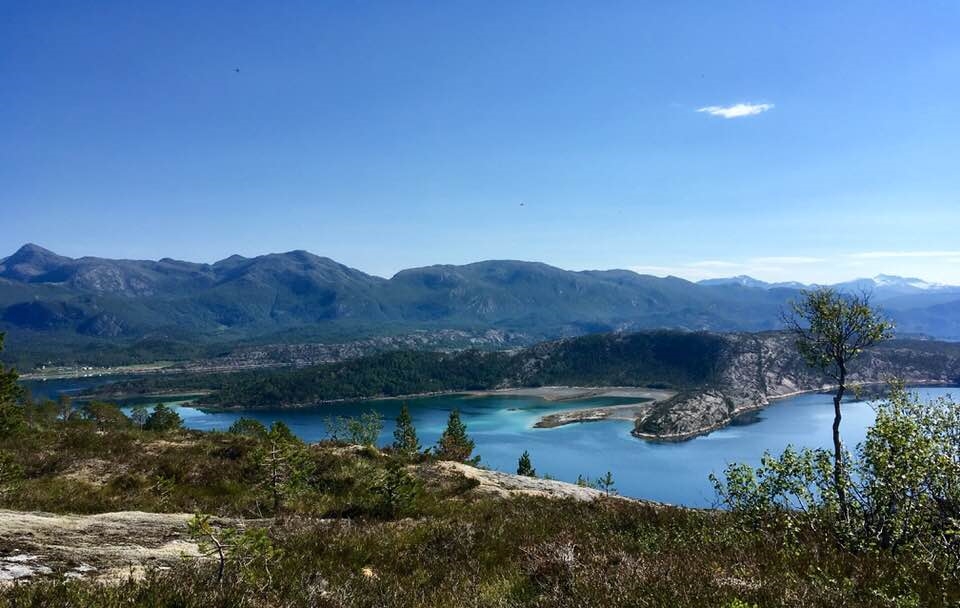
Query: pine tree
(163,418)
(524,466)
(606,484)
(405,435)
(285,464)
(11,414)
(455,444)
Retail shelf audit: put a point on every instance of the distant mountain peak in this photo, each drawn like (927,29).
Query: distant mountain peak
(742,280)
(32,250)
(889,280)
(30,261)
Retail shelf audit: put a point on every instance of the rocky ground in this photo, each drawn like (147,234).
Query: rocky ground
(110,547)
(106,546)
(505,485)
(758,368)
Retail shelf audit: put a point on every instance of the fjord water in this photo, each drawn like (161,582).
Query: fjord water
(502,428)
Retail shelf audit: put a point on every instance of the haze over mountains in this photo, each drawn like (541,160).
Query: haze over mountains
(48,301)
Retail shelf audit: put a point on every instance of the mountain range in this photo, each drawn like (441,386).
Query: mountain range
(97,310)
(883,287)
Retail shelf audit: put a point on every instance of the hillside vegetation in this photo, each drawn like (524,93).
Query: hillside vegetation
(717,376)
(360,527)
(95,311)
(656,359)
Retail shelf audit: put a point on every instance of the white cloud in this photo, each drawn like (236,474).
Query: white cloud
(715,264)
(658,270)
(876,255)
(738,110)
(786,259)
(941,266)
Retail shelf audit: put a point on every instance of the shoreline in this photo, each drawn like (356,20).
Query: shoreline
(740,411)
(78,373)
(647,399)
(552,394)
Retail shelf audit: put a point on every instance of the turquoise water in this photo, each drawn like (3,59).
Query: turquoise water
(502,428)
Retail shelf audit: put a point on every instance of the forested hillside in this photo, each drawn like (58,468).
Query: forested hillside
(716,376)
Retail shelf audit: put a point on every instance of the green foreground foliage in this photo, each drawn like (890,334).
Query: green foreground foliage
(454,443)
(902,488)
(360,527)
(832,330)
(525,465)
(338,525)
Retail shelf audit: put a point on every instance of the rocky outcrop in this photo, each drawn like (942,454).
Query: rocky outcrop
(756,368)
(106,546)
(505,485)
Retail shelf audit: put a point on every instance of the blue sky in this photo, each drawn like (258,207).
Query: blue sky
(584,135)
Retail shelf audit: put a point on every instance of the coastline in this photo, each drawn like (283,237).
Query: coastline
(739,411)
(76,373)
(646,398)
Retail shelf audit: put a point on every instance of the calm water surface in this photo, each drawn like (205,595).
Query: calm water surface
(502,428)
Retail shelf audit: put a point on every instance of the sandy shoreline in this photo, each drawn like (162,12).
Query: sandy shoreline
(571,393)
(646,398)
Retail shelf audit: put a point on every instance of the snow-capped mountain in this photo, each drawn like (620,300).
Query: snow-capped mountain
(891,281)
(742,280)
(882,286)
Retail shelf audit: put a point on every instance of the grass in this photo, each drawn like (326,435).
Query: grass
(338,546)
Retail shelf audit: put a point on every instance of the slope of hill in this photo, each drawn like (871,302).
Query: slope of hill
(716,376)
(98,311)
(756,368)
(101,311)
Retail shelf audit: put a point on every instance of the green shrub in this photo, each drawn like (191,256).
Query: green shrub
(524,466)
(104,415)
(454,443)
(249,428)
(357,430)
(398,491)
(903,495)
(163,419)
(405,440)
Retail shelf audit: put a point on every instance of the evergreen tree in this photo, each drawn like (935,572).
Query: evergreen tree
(607,484)
(11,414)
(524,466)
(455,444)
(279,431)
(285,463)
(398,491)
(105,415)
(163,418)
(248,427)
(405,435)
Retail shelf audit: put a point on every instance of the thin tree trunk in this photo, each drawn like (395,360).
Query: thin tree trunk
(275,478)
(838,473)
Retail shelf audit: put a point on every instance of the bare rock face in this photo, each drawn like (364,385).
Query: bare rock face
(686,415)
(755,368)
(506,485)
(102,325)
(106,546)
